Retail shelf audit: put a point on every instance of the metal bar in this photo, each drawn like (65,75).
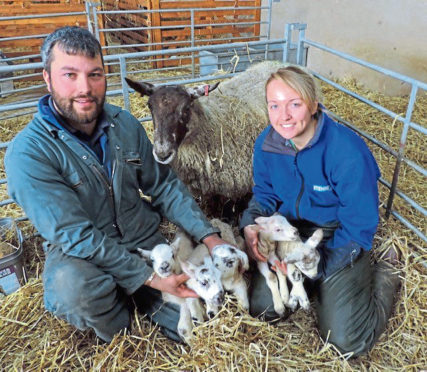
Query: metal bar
(19,77)
(23,37)
(174,42)
(361,62)
(173,27)
(410,226)
(370,103)
(125,87)
(406,198)
(401,149)
(88,20)
(377,142)
(300,45)
(95,22)
(26,66)
(48,15)
(192,43)
(181,10)
(6,202)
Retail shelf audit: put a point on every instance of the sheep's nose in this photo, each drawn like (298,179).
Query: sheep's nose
(165,266)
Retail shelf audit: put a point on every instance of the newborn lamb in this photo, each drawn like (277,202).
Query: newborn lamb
(299,257)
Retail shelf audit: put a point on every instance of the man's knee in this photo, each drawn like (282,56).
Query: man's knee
(86,297)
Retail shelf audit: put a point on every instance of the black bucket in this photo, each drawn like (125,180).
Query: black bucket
(12,271)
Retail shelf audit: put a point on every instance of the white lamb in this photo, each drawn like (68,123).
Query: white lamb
(232,262)
(299,257)
(205,279)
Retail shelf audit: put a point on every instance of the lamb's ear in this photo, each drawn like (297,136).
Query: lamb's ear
(175,244)
(145,89)
(260,223)
(145,254)
(188,268)
(243,262)
(201,90)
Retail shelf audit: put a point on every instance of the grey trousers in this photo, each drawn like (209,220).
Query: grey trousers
(83,295)
(352,306)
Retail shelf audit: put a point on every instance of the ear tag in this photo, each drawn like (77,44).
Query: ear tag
(206,87)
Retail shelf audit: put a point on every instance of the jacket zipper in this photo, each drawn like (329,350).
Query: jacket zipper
(110,193)
(301,190)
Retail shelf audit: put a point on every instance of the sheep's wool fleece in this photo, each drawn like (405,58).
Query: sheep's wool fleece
(226,124)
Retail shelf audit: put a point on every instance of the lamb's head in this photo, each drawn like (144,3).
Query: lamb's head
(205,280)
(171,108)
(308,265)
(229,260)
(163,259)
(277,228)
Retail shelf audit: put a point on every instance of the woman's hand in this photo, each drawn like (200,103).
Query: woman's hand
(173,284)
(281,266)
(251,239)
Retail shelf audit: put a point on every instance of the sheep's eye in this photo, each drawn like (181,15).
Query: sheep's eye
(278,230)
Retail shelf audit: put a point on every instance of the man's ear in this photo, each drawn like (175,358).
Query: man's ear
(46,78)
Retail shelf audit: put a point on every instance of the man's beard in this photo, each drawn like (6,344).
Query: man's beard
(66,109)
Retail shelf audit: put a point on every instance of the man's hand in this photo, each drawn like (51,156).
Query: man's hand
(211,241)
(173,284)
(251,239)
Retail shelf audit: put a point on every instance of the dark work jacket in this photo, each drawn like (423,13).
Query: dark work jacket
(74,204)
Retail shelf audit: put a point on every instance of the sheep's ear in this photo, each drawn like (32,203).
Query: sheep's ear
(145,254)
(175,244)
(145,89)
(201,90)
(243,262)
(188,268)
(260,223)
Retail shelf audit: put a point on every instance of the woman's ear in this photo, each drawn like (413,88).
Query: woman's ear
(315,107)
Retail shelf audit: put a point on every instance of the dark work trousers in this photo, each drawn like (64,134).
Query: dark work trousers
(352,305)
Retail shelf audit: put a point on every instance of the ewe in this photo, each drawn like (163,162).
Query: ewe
(208,136)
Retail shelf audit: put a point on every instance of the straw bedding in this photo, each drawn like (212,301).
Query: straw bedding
(33,340)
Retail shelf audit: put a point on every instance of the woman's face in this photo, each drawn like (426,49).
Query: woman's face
(289,114)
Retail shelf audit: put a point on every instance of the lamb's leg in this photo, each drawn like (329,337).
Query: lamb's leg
(185,325)
(271,280)
(298,293)
(240,290)
(196,309)
(283,285)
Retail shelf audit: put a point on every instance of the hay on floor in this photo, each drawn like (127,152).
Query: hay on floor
(33,340)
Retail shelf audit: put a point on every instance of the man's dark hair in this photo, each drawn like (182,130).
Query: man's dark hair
(71,40)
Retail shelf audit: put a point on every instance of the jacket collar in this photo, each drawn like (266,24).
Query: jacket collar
(275,143)
(53,121)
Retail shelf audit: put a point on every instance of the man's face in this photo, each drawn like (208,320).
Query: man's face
(78,85)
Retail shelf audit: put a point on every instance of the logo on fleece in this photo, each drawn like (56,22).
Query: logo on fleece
(321,188)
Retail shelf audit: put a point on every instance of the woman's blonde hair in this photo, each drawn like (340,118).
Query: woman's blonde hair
(300,81)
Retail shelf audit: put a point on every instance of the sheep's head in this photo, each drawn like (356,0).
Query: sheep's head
(277,228)
(162,257)
(229,260)
(171,107)
(206,282)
